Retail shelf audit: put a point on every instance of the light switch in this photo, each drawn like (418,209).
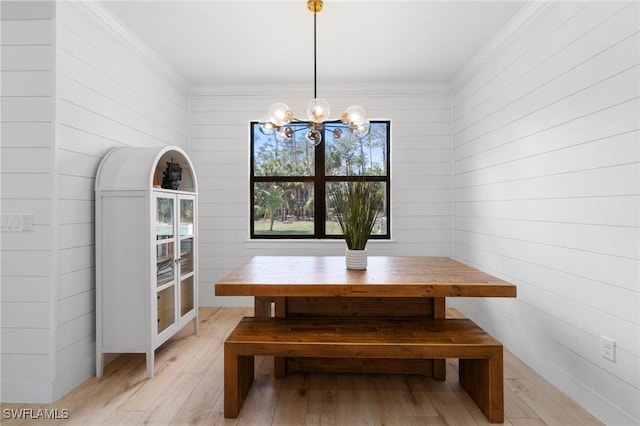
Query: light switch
(14,222)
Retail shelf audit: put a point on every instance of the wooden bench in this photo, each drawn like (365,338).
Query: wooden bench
(479,354)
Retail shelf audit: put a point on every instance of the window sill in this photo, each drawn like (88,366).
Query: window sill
(284,243)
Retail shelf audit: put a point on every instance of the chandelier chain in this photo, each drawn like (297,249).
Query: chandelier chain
(315,58)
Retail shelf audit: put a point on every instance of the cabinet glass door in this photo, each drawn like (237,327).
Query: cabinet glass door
(186,235)
(187,259)
(166,308)
(186,296)
(186,216)
(165,241)
(165,212)
(166,271)
(186,256)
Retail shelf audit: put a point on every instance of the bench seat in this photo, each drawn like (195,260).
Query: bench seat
(480,355)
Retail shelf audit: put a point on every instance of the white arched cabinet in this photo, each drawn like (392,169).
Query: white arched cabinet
(146,251)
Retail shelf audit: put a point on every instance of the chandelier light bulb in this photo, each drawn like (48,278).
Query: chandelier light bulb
(285,132)
(363,129)
(314,137)
(354,116)
(266,126)
(318,110)
(280,114)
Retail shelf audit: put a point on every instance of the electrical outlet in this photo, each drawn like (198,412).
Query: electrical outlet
(608,348)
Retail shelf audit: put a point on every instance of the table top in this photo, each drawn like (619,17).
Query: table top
(385,276)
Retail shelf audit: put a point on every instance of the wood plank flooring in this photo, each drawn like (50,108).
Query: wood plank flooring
(187,389)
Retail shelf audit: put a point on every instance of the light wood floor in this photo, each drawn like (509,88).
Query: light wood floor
(187,389)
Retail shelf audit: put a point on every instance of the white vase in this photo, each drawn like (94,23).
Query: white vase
(355,259)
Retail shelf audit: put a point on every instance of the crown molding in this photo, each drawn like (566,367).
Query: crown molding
(105,20)
(528,16)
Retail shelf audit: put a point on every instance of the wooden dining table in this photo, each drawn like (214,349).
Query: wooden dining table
(390,287)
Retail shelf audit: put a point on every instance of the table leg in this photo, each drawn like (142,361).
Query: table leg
(262,306)
(269,307)
(272,307)
(280,311)
(439,365)
(280,307)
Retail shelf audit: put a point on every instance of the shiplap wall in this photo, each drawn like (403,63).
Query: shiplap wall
(546,182)
(109,92)
(27,188)
(421,221)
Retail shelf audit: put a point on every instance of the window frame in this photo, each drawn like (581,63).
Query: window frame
(319,180)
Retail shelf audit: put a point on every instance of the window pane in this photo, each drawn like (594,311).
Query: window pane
(285,169)
(282,156)
(283,208)
(332,227)
(349,155)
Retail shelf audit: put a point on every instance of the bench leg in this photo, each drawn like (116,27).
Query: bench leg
(483,379)
(238,377)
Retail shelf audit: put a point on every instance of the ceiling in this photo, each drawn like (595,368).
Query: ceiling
(265,42)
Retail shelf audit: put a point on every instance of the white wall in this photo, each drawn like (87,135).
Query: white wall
(105,91)
(420,169)
(545,193)
(546,181)
(27,188)
(112,92)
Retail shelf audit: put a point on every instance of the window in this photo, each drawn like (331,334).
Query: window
(289,177)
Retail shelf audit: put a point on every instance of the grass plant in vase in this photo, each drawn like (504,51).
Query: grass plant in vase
(357,206)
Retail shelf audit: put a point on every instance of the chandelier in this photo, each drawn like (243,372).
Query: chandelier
(281,121)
